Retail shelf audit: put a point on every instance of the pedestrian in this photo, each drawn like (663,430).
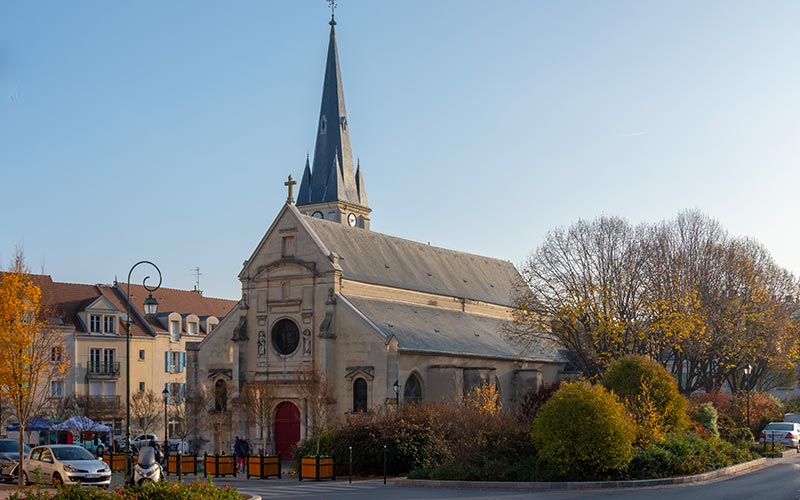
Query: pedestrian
(238,452)
(246,452)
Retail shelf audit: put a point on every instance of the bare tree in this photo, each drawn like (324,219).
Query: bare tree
(258,400)
(146,410)
(318,395)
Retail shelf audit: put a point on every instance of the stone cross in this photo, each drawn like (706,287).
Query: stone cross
(290,184)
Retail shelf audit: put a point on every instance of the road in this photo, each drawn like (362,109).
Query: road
(780,481)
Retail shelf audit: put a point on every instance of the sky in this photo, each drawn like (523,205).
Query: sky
(164,131)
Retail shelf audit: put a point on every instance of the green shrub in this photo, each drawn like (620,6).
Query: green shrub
(651,395)
(706,416)
(584,431)
(651,462)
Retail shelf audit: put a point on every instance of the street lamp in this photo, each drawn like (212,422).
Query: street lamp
(165,393)
(396,387)
(747,370)
(150,308)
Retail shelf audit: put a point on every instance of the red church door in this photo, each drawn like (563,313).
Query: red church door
(287,429)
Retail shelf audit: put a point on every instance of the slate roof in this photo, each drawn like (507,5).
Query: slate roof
(387,260)
(435,330)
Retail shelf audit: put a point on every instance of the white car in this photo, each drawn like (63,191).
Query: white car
(144,440)
(65,464)
(785,433)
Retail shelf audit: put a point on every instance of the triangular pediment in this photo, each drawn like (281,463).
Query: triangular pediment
(101,304)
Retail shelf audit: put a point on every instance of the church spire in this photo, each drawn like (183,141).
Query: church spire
(332,149)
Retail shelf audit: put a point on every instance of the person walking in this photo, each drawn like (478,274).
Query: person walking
(238,453)
(245,452)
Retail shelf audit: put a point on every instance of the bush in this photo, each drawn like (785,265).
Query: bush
(651,395)
(651,462)
(196,490)
(584,431)
(706,416)
(764,408)
(533,402)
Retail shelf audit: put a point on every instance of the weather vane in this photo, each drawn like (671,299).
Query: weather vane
(332,4)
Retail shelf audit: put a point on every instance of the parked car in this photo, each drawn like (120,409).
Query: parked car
(9,458)
(65,464)
(144,440)
(176,444)
(96,445)
(785,433)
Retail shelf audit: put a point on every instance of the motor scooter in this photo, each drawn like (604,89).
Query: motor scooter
(147,468)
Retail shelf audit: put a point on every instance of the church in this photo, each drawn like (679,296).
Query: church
(382,320)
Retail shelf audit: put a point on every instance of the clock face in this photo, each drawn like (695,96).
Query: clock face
(317,214)
(351,219)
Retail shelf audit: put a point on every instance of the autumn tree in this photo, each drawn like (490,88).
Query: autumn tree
(147,410)
(317,393)
(681,292)
(258,400)
(33,351)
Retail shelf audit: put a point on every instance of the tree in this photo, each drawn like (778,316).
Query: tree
(33,352)
(258,400)
(651,396)
(146,410)
(585,431)
(195,418)
(317,393)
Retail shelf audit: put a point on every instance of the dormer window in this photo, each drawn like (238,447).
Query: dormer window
(109,324)
(175,330)
(192,328)
(94,323)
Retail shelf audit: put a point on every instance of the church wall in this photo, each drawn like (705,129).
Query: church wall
(448,378)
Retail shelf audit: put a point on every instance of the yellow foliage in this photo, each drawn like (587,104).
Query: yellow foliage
(484,398)
(33,352)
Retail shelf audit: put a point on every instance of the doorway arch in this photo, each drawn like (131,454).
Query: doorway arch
(287,429)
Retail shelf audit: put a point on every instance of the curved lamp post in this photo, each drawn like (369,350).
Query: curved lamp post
(165,393)
(150,309)
(396,387)
(747,371)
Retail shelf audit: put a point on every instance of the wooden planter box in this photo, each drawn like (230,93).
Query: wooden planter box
(220,465)
(264,466)
(116,461)
(316,468)
(187,463)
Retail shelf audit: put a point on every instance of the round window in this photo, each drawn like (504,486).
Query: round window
(285,336)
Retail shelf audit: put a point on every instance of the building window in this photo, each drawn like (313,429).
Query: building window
(192,328)
(141,387)
(174,361)
(285,336)
(412,392)
(102,361)
(210,327)
(359,395)
(109,324)
(141,354)
(56,389)
(175,330)
(94,323)
(56,354)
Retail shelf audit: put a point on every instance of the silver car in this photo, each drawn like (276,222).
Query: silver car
(785,433)
(65,464)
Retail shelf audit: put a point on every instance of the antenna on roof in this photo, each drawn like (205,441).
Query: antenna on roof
(196,271)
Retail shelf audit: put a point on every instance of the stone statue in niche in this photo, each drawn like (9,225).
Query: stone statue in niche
(262,344)
(307,343)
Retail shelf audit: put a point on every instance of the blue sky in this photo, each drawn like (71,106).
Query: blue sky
(165,130)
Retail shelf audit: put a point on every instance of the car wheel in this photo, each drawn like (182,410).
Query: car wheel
(25,479)
(57,479)
(100,450)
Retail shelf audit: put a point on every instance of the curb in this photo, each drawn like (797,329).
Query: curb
(585,485)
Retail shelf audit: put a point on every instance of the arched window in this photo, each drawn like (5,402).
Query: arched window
(412,392)
(359,395)
(220,396)
(285,336)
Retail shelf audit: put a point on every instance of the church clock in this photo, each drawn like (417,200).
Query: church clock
(351,219)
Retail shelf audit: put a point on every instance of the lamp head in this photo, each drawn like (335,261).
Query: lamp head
(150,305)
(396,386)
(748,369)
